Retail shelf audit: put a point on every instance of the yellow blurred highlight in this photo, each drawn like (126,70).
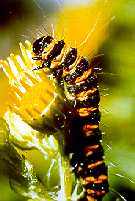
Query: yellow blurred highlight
(25,92)
(85,26)
(5,90)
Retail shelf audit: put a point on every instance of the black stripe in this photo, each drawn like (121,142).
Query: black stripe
(98,186)
(56,50)
(80,69)
(78,160)
(94,138)
(57,73)
(90,82)
(70,58)
(95,172)
(97,155)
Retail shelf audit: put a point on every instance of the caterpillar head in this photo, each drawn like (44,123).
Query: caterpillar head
(40,44)
(40,51)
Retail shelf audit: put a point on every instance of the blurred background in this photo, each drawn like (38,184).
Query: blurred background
(21,19)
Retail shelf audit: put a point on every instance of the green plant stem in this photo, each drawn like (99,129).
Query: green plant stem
(65,179)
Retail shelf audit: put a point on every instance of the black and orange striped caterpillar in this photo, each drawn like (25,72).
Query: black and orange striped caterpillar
(77,80)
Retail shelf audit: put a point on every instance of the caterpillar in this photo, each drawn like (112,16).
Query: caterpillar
(77,80)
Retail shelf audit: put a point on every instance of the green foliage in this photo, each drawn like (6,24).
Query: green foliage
(24,178)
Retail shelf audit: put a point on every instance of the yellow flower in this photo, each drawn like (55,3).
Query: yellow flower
(29,92)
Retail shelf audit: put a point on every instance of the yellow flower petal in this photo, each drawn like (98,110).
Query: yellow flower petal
(28,89)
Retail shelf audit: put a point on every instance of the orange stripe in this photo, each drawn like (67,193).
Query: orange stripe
(93,165)
(88,129)
(85,111)
(83,95)
(84,76)
(98,193)
(60,58)
(90,149)
(97,180)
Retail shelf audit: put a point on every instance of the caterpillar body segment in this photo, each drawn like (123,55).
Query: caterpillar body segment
(78,82)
